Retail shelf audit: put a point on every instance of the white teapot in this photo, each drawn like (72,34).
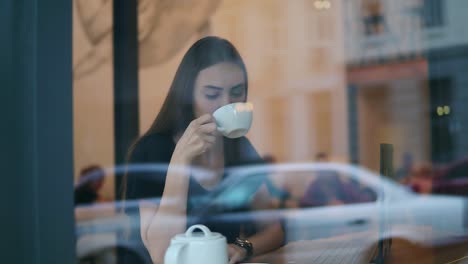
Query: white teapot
(192,248)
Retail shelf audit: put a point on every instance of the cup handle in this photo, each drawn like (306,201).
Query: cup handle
(172,255)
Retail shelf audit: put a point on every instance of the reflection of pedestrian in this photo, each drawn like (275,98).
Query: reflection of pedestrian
(323,190)
(89,185)
(405,169)
(326,189)
(269,159)
(329,189)
(321,157)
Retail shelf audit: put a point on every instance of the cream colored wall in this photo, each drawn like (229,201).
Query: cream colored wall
(92,112)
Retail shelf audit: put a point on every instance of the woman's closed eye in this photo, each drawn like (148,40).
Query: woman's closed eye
(212,95)
(212,92)
(237,91)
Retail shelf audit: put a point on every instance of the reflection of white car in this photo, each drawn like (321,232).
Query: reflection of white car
(391,211)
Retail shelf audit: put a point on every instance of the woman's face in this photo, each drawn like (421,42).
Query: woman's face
(218,85)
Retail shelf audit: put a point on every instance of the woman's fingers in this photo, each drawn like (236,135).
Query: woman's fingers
(204,124)
(199,136)
(235,254)
(206,118)
(208,128)
(207,143)
(209,139)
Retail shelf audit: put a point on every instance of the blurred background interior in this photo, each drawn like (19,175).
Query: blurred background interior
(327,77)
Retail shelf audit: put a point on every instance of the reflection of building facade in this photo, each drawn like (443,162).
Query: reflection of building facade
(295,59)
(405,61)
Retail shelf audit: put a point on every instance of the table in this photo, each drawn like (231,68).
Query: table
(353,248)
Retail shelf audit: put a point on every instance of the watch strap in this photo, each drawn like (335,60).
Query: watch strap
(245,244)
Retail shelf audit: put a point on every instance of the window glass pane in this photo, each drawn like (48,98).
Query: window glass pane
(271,119)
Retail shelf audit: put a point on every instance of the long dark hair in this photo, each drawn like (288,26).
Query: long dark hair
(178,108)
(177,111)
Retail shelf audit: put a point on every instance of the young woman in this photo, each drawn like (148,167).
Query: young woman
(211,74)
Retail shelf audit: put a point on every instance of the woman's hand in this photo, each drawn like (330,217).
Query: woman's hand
(236,254)
(199,137)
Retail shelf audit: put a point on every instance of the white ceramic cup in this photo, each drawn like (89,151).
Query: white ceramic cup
(234,120)
(207,247)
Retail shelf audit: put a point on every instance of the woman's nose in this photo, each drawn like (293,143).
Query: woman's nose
(233,100)
(225,100)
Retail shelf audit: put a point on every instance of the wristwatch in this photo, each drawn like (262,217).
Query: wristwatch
(245,244)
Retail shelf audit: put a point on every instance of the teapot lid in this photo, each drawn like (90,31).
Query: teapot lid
(190,235)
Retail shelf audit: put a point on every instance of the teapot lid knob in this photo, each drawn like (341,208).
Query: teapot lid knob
(203,228)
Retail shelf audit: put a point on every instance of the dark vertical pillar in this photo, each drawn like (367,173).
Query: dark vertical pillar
(353,123)
(386,170)
(126,120)
(36,139)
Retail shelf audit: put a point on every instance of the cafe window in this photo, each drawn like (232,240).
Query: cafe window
(373,17)
(432,13)
(331,77)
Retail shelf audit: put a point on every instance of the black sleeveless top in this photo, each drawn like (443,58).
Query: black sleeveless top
(158,149)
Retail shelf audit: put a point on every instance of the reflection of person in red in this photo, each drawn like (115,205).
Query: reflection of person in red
(89,185)
(451,178)
(421,177)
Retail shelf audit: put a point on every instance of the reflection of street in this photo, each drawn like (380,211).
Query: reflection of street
(164,27)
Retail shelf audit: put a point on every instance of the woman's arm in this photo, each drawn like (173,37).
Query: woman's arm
(269,238)
(160,224)
(271,235)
